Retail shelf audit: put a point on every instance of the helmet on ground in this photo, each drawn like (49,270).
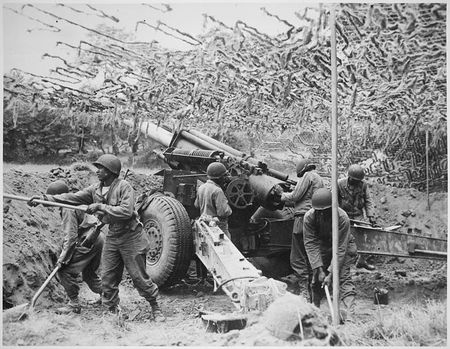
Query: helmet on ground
(57,187)
(304,165)
(356,172)
(321,199)
(110,162)
(216,170)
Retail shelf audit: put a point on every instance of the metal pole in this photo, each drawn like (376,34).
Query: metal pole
(334,116)
(427,167)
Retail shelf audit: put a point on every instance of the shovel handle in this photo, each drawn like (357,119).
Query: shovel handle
(45,202)
(330,304)
(44,285)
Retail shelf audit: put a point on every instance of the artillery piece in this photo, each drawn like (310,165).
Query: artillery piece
(260,225)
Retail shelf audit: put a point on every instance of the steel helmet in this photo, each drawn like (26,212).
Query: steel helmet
(304,165)
(110,162)
(57,187)
(356,172)
(216,170)
(321,199)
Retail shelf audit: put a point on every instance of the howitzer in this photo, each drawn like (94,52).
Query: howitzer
(260,226)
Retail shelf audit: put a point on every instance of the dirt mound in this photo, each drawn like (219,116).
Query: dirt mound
(31,236)
(409,208)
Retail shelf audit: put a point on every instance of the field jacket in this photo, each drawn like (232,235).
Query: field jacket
(354,199)
(117,207)
(303,192)
(211,201)
(318,237)
(75,224)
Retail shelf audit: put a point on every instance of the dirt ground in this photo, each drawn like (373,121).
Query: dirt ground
(31,244)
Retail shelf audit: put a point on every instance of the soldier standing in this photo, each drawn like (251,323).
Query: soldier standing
(317,230)
(301,198)
(125,245)
(211,199)
(354,198)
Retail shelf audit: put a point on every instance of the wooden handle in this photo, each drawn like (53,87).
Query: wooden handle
(45,202)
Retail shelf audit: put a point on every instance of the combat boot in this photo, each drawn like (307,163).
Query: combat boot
(347,312)
(362,263)
(157,313)
(73,306)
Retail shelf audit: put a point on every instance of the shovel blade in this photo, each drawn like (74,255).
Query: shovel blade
(17,313)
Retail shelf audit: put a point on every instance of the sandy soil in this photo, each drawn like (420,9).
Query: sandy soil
(31,244)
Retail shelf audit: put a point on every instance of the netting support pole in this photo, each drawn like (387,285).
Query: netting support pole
(334,195)
(427,169)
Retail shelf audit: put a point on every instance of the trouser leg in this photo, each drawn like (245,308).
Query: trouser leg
(81,260)
(299,259)
(69,282)
(90,275)
(133,252)
(112,271)
(347,290)
(346,285)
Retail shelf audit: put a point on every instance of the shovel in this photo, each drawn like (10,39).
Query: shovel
(24,309)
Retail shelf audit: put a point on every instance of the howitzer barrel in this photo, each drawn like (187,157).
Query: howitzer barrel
(157,133)
(263,187)
(193,139)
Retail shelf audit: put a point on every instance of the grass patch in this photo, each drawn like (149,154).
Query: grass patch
(419,324)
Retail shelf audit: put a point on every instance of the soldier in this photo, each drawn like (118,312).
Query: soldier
(76,259)
(317,231)
(125,244)
(301,198)
(354,199)
(211,199)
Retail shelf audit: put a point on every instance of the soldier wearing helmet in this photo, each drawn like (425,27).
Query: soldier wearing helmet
(75,259)
(354,198)
(211,199)
(112,200)
(300,198)
(317,231)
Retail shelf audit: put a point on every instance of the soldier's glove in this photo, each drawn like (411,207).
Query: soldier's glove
(318,276)
(32,201)
(328,280)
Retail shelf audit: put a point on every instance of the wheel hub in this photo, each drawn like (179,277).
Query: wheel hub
(154,234)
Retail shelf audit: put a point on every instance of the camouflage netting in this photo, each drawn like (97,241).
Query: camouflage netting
(391,84)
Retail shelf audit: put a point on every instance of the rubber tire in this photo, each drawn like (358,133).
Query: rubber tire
(177,240)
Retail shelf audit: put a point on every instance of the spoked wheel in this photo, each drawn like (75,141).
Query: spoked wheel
(239,193)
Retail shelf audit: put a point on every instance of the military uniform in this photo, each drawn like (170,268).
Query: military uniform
(301,197)
(211,201)
(84,260)
(354,200)
(125,245)
(318,244)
